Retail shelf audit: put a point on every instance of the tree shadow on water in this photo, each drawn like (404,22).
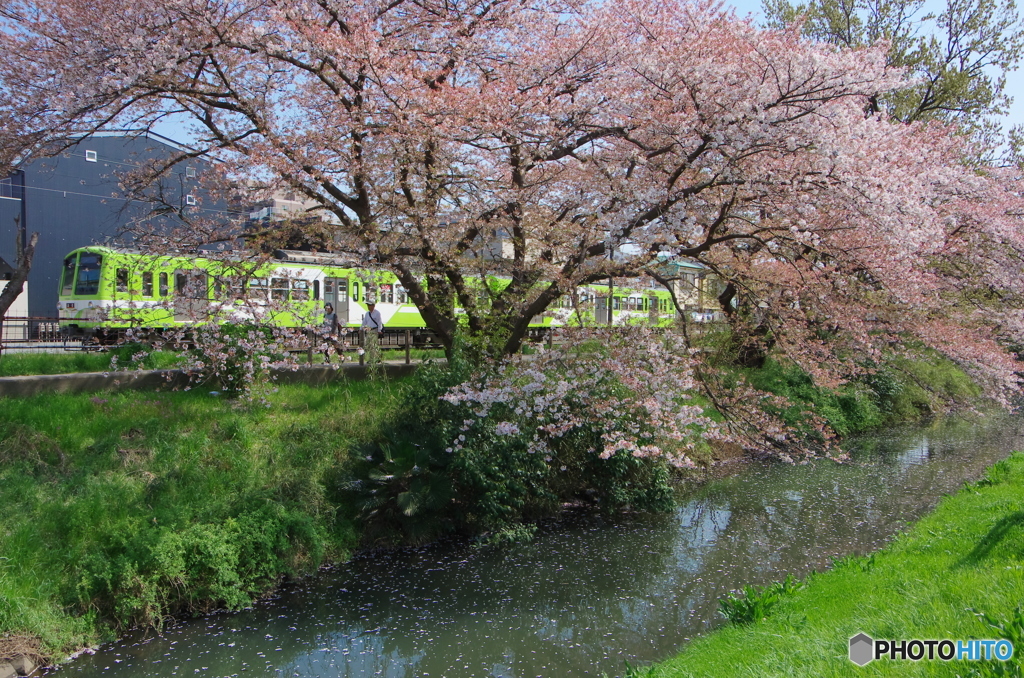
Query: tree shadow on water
(999,532)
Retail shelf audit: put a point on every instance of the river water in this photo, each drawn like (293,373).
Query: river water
(588,594)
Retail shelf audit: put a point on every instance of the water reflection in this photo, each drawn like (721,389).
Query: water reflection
(585,596)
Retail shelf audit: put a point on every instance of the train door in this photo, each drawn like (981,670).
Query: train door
(601,312)
(336,294)
(191,295)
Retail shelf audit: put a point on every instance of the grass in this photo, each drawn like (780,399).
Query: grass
(23,364)
(121,508)
(902,390)
(941,579)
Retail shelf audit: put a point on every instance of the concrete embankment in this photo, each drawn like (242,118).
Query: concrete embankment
(15,387)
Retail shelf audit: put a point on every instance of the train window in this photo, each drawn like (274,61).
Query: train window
(258,288)
(316,289)
(300,289)
(69,275)
(386,295)
(401,296)
(342,291)
(355,290)
(227,286)
(147,283)
(279,289)
(88,274)
(191,285)
(163,285)
(121,279)
(617,304)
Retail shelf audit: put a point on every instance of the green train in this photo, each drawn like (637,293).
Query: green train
(104,291)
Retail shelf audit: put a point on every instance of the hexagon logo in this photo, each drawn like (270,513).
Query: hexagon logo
(862,649)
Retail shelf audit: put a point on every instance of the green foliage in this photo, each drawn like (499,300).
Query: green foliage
(756,603)
(996,474)
(958,58)
(20,364)
(412,485)
(636,671)
(900,390)
(1012,629)
(142,577)
(928,385)
(849,409)
(122,508)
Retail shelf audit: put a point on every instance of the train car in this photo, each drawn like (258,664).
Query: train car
(105,291)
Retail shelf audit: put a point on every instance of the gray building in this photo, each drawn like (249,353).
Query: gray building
(76,198)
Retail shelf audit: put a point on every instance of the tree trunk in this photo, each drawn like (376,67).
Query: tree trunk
(752,337)
(17,282)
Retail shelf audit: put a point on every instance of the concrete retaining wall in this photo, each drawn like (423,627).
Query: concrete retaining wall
(20,387)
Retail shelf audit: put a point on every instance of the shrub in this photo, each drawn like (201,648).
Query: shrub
(481,450)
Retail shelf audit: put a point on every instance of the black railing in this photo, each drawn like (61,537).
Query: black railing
(27,333)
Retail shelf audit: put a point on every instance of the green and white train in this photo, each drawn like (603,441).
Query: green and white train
(104,291)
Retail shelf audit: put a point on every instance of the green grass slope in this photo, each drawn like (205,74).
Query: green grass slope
(938,580)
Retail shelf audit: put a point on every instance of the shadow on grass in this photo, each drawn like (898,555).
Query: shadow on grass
(999,532)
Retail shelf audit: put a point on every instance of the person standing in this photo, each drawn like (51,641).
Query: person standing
(372,327)
(329,333)
(371,319)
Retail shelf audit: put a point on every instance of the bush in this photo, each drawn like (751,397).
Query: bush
(448,465)
(140,578)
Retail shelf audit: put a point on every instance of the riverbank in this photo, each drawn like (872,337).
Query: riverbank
(120,508)
(957,574)
(126,507)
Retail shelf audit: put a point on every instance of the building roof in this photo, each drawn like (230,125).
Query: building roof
(6,271)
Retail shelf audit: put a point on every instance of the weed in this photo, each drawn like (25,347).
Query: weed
(756,603)
(1011,629)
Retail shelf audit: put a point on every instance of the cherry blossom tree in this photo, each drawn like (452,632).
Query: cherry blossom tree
(593,139)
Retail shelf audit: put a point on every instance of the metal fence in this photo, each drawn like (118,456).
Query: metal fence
(30,334)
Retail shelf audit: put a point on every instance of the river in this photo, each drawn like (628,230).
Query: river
(588,594)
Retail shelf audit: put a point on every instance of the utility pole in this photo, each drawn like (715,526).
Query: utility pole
(611,288)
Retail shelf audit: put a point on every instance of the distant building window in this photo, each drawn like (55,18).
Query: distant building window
(190,172)
(190,200)
(90,156)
